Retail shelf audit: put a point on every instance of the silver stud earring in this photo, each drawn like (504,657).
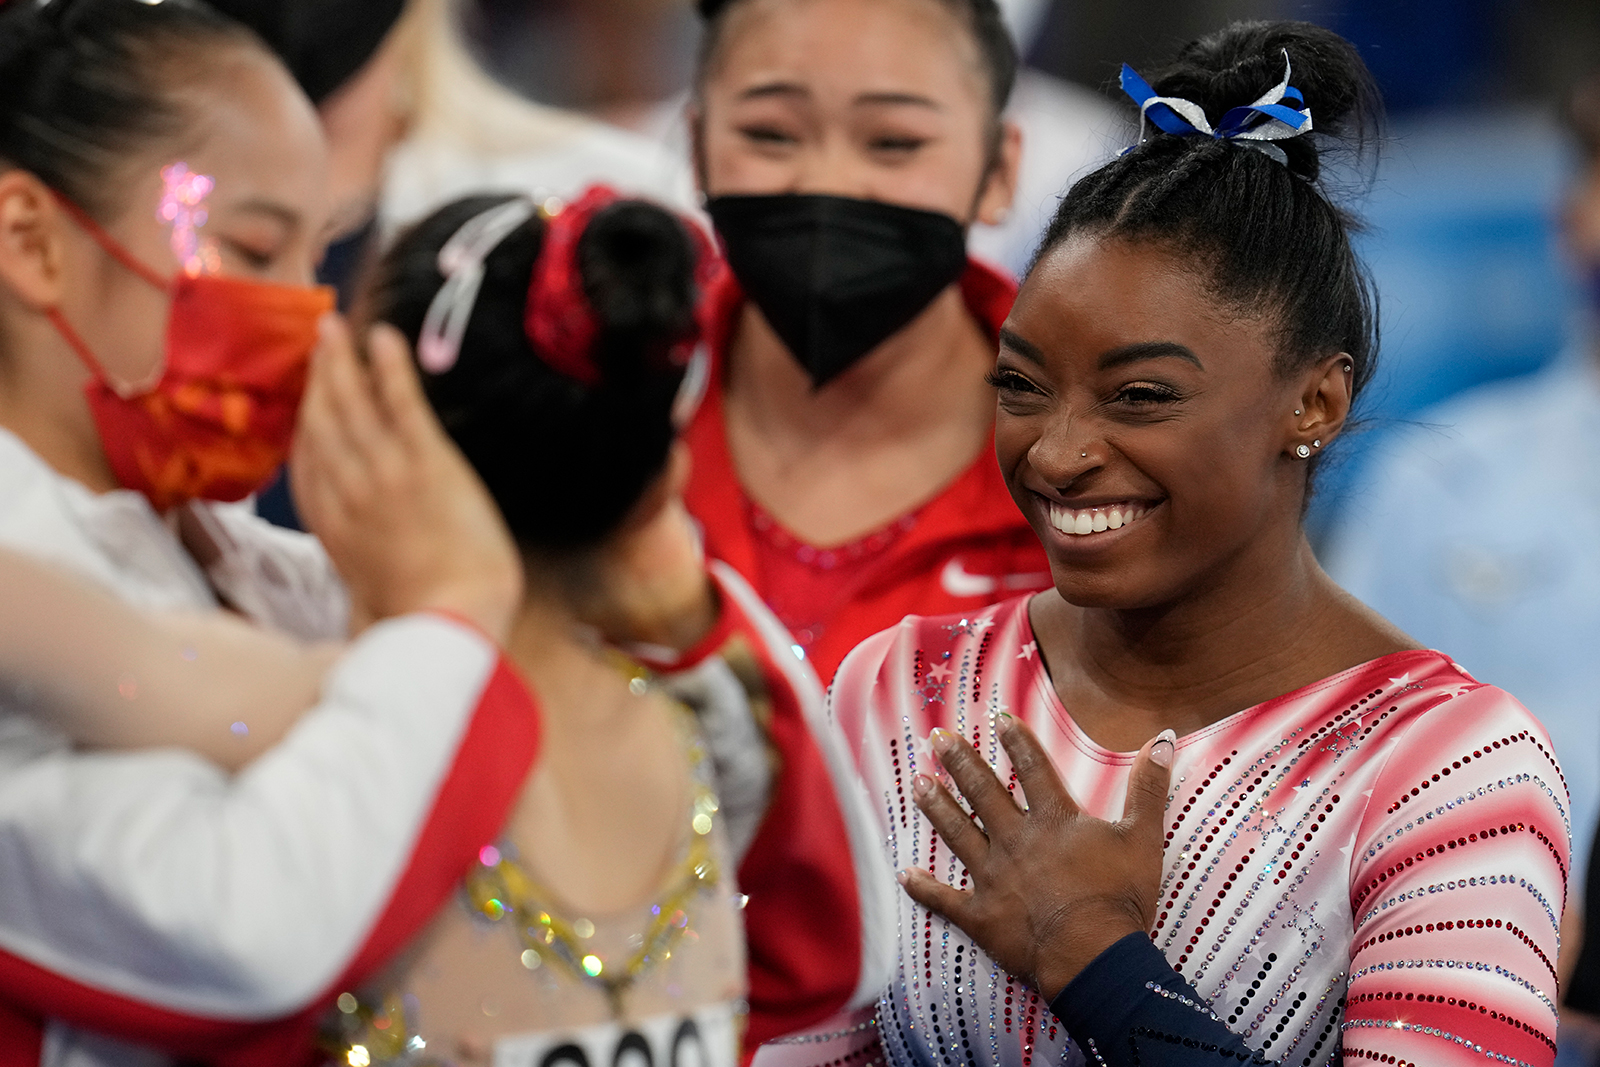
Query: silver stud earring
(1316,444)
(1302,451)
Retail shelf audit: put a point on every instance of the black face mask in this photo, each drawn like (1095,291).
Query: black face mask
(834,276)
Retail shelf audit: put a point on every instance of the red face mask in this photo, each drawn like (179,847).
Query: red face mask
(217,423)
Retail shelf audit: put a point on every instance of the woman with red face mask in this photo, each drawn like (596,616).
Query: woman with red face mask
(843,457)
(543,330)
(160,215)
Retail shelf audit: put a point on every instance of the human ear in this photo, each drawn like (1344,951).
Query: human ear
(1322,406)
(32,253)
(1000,183)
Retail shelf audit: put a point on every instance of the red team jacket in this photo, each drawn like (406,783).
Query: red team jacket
(967,548)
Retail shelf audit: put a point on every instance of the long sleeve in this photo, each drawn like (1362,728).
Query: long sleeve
(1129,1007)
(150,897)
(1456,883)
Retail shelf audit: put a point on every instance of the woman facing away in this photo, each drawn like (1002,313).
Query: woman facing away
(842,456)
(555,352)
(1324,843)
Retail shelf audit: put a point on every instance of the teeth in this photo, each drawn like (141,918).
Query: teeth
(1094,520)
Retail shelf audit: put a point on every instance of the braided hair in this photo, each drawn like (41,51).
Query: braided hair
(1268,235)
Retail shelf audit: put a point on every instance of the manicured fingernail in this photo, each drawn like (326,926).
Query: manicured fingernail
(921,786)
(903,876)
(1162,751)
(1003,723)
(941,741)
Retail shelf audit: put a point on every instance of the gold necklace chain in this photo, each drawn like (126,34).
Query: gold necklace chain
(500,889)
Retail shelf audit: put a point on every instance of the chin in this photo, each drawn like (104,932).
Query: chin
(1106,590)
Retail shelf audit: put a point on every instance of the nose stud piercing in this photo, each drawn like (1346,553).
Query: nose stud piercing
(1297,411)
(1086,455)
(1303,451)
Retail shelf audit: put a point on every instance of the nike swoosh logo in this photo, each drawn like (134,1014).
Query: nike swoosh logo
(956,580)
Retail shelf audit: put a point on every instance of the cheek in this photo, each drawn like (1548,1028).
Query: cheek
(127,330)
(943,177)
(1220,482)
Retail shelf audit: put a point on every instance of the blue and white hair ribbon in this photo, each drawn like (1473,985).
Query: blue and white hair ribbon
(1266,119)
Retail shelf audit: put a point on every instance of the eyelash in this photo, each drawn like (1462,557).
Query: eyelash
(256,260)
(1144,393)
(1138,394)
(1009,381)
(767,135)
(898,144)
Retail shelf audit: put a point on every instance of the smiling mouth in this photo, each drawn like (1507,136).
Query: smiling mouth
(1082,522)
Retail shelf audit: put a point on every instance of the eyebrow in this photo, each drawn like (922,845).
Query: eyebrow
(766,89)
(1144,350)
(1117,357)
(1021,346)
(913,99)
(875,99)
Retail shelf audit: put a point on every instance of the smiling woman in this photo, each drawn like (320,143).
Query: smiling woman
(842,456)
(1260,823)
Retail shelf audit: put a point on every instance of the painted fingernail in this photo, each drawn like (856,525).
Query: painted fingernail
(1162,751)
(921,786)
(941,741)
(1003,723)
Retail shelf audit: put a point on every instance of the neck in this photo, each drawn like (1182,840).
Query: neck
(42,402)
(885,396)
(1269,623)
(563,660)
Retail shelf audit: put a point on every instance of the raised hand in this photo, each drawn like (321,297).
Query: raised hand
(1052,887)
(403,515)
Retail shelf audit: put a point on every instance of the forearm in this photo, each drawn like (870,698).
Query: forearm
(111,676)
(1128,1007)
(155,885)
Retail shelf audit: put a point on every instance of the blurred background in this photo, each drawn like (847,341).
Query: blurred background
(1462,211)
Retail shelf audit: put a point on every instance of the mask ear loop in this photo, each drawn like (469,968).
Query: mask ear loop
(128,260)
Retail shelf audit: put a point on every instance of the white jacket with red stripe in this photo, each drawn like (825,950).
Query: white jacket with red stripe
(151,906)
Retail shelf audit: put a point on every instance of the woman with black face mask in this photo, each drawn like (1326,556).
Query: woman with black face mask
(843,456)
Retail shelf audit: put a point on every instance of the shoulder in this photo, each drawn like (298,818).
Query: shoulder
(925,661)
(932,639)
(1441,735)
(1411,695)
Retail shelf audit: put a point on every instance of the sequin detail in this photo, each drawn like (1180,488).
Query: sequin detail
(1300,835)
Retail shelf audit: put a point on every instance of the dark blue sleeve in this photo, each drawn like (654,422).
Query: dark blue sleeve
(1129,1008)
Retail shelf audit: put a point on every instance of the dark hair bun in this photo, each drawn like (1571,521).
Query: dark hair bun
(566,462)
(638,272)
(1235,66)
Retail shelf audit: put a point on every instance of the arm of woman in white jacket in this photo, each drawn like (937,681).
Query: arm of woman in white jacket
(152,897)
